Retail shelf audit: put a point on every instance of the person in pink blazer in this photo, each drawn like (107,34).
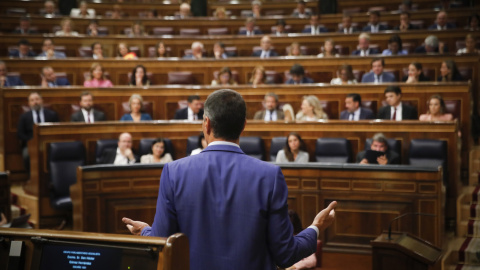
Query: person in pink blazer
(97,77)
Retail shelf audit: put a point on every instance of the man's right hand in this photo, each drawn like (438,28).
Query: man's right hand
(326,217)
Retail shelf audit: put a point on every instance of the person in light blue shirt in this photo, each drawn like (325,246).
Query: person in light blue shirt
(395,47)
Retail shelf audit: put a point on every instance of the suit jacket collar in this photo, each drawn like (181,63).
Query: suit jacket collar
(223,148)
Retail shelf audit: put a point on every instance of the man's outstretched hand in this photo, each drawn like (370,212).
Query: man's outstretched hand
(135,227)
(326,217)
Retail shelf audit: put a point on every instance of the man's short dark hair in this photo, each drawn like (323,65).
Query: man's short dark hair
(355,97)
(95,43)
(85,93)
(227,112)
(378,59)
(192,98)
(23,42)
(297,69)
(393,89)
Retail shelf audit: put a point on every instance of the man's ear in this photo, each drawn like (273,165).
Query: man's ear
(207,126)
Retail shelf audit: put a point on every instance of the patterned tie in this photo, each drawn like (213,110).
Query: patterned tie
(394,116)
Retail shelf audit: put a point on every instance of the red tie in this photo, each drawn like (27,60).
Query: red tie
(88,118)
(394,117)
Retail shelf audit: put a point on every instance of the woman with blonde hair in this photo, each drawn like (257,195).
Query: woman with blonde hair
(311,109)
(124,52)
(136,106)
(67,28)
(97,77)
(258,76)
(220,13)
(295,49)
(288,113)
(436,110)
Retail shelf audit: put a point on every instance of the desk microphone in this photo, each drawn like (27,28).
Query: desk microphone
(401,216)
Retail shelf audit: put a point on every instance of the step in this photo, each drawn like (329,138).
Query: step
(468,252)
(28,202)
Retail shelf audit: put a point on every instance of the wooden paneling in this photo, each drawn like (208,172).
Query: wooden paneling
(361,214)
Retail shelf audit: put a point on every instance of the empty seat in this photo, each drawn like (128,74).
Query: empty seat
(466,72)
(145,147)
(64,158)
(333,150)
(429,153)
(231,51)
(418,23)
(246,13)
(274,12)
(162,31)
(180,77)
(16,11)
(273,77)
(189,31)
(192,144)
(85,51)
(252,146)
(454,107)
(135,49)
(103,145)
(358,74)
(392,144)
(342,50)
(218,31)
(277,144)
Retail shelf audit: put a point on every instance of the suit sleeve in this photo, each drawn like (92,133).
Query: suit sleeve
(285,248)
(258,115)
(165,221)
(21,129)
(177,115)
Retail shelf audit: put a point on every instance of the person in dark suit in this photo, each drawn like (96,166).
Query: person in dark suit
(192,112)
(232,207)
(7,81)
(441,23)
(37,115)
(379,143)
(87,113)
(23,50)
(374,25)
(250,28)
(121,155)
(297,74)
(271,112)
(25,27)
(48,50)
(301,11)
(314,28)
(49,79)
(279,28)
(49,10)
(354,111)
(405,22)
(364,46)
(266,51)
(396,110)
(377,75)
(347,27)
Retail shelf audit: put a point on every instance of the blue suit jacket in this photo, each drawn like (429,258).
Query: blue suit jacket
(386,77)
(259,53)
(255,32)
(304,80)
(308,30)
(370,51)
(364,114)
(14,81)
(61,82)
(233,209)
(143,117)
(58,55)
(449,26)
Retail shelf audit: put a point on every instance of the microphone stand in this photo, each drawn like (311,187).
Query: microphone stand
(401,216)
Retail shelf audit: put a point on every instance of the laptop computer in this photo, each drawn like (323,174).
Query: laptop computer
(19,222)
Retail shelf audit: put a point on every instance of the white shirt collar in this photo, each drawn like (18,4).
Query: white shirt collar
(86,114)
(223,143)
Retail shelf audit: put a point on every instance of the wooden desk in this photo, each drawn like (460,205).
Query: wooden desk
(368,198)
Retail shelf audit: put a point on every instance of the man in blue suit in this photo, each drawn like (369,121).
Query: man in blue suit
(48,50)
(314,28)
(49,79)
(6,81)
(441,22)
(364,46)
(232,207)
(377,75)
(23,50)
(250,28)
(266,51)
(374,25)
(354,111)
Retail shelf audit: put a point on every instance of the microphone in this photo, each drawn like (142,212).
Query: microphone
(401,216)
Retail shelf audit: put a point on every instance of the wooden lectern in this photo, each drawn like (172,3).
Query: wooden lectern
(403,251)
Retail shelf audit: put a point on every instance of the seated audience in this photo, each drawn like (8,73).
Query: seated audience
(364,46)
(301,11)
(344,75)
(288,113)
(137,30)
(202,144)
(87,114)
(271,112)
(309,262)
(136,107)
(139,76)
(374,25)
(117,12)
(449,72)
(158,154)
(405,22)
(295,49)
(347,27)
(415,74)
(396,110)
(258,76)
(82,11)
(328,49)
(192,112)
(377,75)
(37,114)
(297,74)
(6,81)
(267,50)
(48,50)
(441,23)
(280,28)
(224,78)
(437,111)
(92,29)
(395,47)
(256,9)
(470,43)
(161,50)
(473,23)
(314,28)
(250,28)
(184,11)
(97,77)
(124,52)
(354,110)
(123,154)
(311,110)
(97,50)
(294,150)
(379,143)
(406,5)
(431,45)
(67,26)
(152,14)
(197,51)
(49,79)
(23,50)
(49,9)
(25,27)
(220,13)
(219,50)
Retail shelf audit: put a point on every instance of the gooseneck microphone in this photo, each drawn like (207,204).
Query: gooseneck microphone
(401,216)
